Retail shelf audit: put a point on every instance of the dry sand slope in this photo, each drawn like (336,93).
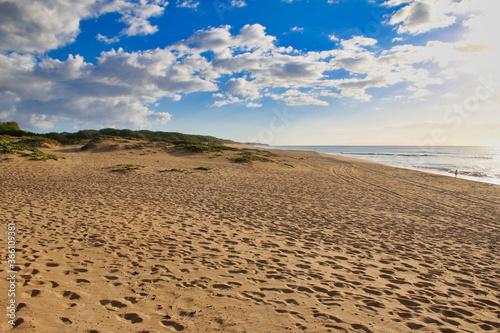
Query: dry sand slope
(328,245)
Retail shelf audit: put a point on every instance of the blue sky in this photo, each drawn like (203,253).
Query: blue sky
(330,72)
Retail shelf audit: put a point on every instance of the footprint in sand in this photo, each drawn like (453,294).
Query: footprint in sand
(221,286)
(113,304)
(170,323)
(132,300)
(134,318)
(111,278)
(35,293)
(71,295)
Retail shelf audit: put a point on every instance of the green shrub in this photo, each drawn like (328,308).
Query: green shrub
(35,154)
(98,139)
(201,147)
(127,167)
(203,168)
(12,128)
(39,140)
(136,146)
(174,170)
(248,157)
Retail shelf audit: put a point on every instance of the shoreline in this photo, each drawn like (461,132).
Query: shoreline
(144,240)
(487,180)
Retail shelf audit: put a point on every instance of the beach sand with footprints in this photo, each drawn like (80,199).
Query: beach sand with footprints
(106,242)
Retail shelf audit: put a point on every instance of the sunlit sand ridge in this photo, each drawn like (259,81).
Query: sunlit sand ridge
(304,242)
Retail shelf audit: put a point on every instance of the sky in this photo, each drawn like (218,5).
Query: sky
(281,72)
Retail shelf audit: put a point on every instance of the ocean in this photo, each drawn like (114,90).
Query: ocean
(474,163)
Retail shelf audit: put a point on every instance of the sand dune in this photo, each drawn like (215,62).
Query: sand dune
(310,243)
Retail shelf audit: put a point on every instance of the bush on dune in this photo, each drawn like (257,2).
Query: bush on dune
(35,154)
(12,128)
(248,157)
(38,141)
(201,147)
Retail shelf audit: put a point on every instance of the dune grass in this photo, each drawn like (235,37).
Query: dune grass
(39,141)
(198,147)
(174,170)
(248,157)
(203,168)
(136,146)
(33,153)
(125,168)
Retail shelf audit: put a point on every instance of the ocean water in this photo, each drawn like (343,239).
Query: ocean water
(474,163)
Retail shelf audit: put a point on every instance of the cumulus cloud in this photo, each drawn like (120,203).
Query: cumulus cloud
(107,40)
(39,26)
(420,16)
(136,15)
(193,4)
(296,97)
(118,90)
(242,87)
(253,105)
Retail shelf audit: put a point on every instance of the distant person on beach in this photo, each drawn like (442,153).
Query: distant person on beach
(456,173)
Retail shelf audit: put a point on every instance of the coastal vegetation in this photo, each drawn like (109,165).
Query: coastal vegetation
(174,170)
(127,167)
(12,128)
(202,147)
(16,141)
(249,156)
(22,150)
(65,138)
(203,168)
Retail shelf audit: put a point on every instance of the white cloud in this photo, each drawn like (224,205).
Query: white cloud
(39,26)
(116,91)
(136,15)
(450,95)
(333,37)
(297,29)
(242,87)
(393,3)
(253,105)
(226,101)
(420,16)
(295,97)
(193,4)
(107,40)
(419,93)
(29,26)
(215,39)
(238,3)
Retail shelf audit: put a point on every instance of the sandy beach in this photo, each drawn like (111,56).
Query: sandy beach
(303,243)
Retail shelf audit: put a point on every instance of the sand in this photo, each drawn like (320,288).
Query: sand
(310,243)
